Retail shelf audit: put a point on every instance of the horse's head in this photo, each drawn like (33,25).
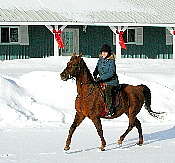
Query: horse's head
(73,68)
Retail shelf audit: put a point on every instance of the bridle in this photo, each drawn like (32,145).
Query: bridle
(76,68)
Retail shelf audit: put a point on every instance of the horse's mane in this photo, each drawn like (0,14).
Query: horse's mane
(86,69)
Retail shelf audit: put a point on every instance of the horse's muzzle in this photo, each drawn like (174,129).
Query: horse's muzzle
(64,76)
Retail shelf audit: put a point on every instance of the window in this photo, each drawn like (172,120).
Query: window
(9,35)
(14,35)
(129,35)
(71,41)
(132,35)
(68,42)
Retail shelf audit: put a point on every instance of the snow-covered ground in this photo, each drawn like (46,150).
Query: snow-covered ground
(37,109)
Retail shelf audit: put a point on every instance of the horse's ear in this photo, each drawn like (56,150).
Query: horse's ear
(77,55)
(74,54)
(81,54)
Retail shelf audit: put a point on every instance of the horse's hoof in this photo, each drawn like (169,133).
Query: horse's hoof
(119,142)
(66,148)
(140,143)
(102,148)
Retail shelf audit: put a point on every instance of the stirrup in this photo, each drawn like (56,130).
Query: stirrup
(109,114)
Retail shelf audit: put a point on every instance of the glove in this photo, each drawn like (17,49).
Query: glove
(95,73)
(98,81)
(95,77)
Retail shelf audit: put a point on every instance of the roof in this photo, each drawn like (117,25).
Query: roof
(89,12)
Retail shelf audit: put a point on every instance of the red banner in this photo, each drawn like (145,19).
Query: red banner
(58,38)
(121,40)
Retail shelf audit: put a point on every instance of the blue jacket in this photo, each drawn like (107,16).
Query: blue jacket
(106,68)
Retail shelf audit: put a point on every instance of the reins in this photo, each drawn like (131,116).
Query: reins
(91,90)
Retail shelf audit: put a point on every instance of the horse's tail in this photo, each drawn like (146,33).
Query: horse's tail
(147,96)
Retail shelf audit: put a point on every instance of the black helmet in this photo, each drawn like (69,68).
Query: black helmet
(106,48)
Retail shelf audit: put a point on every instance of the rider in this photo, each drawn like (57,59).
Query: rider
(106,69)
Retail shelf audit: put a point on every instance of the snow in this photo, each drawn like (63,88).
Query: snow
(71,5)
(24,4)
(37,109)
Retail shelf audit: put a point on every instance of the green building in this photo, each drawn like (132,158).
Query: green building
(26,30)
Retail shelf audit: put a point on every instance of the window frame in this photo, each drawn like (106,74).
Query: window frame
(10,43)
(135,35)
(75,41)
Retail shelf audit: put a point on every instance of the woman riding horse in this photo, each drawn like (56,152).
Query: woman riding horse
(106,68)
(90,101)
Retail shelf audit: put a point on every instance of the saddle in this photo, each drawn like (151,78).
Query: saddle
(115,93)
(115,99)
(115,96)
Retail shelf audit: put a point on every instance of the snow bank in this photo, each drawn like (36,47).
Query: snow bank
(18,105)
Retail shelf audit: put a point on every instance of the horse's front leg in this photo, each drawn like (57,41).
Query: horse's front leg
(77,121)
(98,125)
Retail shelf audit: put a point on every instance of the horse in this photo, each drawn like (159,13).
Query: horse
(90,101)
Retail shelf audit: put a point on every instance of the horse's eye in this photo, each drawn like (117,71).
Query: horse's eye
(68,64)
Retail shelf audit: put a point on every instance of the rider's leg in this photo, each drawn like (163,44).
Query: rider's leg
(108,99)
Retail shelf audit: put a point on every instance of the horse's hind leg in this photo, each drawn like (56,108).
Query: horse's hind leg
(130,127)
(98,126)
(77,121)
(133,122)
(139,128)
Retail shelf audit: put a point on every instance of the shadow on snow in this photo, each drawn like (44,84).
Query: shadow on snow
(148,139)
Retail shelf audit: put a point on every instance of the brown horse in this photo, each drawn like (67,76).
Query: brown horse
(90,101)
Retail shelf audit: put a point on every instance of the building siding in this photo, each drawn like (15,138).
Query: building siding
(40,45)
(92,40)
(41,42)
(154,44)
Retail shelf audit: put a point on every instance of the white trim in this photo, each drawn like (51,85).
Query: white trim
(113,29)
(124,28)
(170,29)
(62,28)
(118,48)
(46,23)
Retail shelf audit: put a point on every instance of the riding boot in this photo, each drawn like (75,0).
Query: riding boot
(108,100)
(111,111)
